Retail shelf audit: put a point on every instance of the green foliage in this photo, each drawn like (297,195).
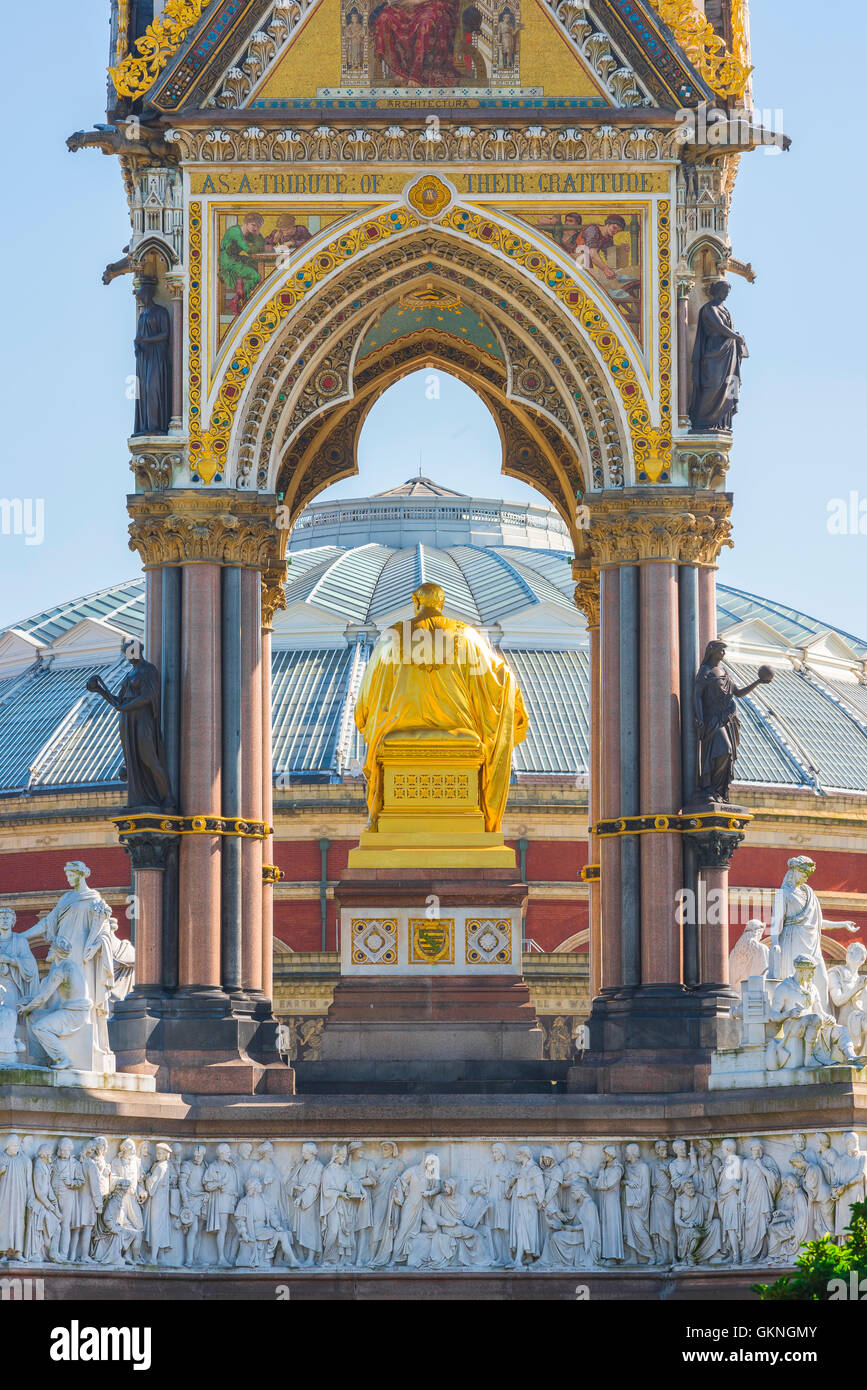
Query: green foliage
(820,1261)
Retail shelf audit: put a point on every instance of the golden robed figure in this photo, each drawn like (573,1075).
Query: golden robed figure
(440,712)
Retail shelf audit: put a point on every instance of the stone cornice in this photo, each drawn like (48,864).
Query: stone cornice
(679,526)
(226,528)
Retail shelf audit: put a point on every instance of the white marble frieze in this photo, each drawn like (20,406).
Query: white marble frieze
(437,1205)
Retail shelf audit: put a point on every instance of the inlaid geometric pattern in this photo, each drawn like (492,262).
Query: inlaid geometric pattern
(431,786)
(488,941)
(431,941)
(374,941)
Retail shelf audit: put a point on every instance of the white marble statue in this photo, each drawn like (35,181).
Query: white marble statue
(11,1046)
(412,1191)
(808,1035)
(82,918)
(749,955)
(846,987)
(18,969)
(63,1029)
(89,1202)
(123,962)
(66,1179)
(798,923)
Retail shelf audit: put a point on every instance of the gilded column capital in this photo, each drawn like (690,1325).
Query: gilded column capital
(273,593)
(680,527)
(587,593)
(225,528)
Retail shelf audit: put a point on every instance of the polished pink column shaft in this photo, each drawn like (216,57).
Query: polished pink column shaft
(148,890)
(268,816)
(594,798)
(714,944)
(153,635)
(609,848)
(707,628)
(199,905)
(661,856)
(252,774)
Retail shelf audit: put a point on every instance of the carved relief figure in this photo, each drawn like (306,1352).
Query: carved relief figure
(385,1214)
(848,1182)
(636,1205)
(729,1201)
(661,1205)
(157,1213)
(339,1193)
(304,1189)
(607,1183)
(363,1172)
(66,1179)
(193,1203)
(697,1241)
(222,1182)
(43,1211)
(527,1192)
(789,1226)
(412,1190)
(759,1188)
(495,1183)
(15,1191)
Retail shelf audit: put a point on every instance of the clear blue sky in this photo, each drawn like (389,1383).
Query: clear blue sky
(67,353)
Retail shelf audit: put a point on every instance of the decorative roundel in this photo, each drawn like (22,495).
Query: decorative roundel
(525,454)
(530,382)
(328,382)
(429,196)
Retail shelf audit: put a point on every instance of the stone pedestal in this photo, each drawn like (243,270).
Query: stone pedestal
(431,817)
(431,968)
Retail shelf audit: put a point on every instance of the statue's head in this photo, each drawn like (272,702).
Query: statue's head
(428,598)
(720,290)
(164,1152)
(801,867)
(7,920)
(633,1153)
(661,1148)
(12,1145)
(75,872)
(224,1153)
(856,955)
(805,968)
(714,653)
(850,1142)
(133,650)
(338,1153)
(198,1155)
(308,1150)
(145,290)
(754,929)
(253,1187)
(389,1149)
